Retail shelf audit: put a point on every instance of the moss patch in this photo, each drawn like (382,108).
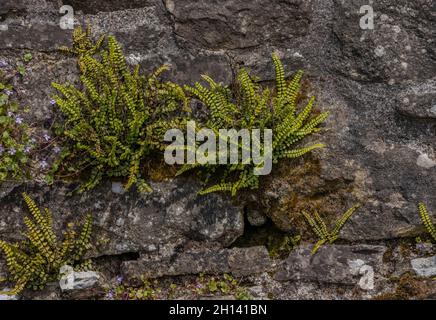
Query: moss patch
(411,287)
(296,186)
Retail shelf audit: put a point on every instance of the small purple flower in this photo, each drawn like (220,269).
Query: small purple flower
(27,149)
(8,92)
(3,64)
(56,149)
(110,295)
(2,149)
(46,137)
(18,120)
(12,151)
(43,164)
(119,279)
(52,102)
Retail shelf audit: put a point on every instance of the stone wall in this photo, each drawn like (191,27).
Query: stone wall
(379,86)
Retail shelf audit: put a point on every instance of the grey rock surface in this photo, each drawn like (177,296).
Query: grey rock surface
(378,85)
(131,222)
(424,267)
(237,261)
(348,265)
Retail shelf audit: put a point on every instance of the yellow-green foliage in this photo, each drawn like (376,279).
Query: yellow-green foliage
(35,261)
(425,217)
(83,44)
(248,105)
(117,117)
(319,227)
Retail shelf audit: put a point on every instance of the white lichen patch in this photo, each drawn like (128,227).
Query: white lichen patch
(424,267)
(378,146)
(170,5)
(396,200)
(396,29)
(379,51)
(363,187)
(384,17)
(120,222)
(424,161)
(297,55)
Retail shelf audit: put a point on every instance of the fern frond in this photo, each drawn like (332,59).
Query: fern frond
(34,262)
(117,117)
(292,91)
(318,245)
(425,217)
(300,152)
(43,221)
(246,105)
(344,219)
(222,187)
(312,223)
(280,76)
(319,227)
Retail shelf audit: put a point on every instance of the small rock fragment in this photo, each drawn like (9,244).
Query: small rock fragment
(424,267)
(72,280)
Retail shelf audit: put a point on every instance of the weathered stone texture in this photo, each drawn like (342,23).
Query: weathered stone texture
(379,86)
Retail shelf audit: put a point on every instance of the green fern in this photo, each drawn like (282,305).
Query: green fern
(117,118)
(82,43)
(319,227)
(250,106)
(426,220)
(35,261)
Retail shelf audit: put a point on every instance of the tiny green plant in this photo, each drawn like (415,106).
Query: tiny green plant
(319,227)
(147,291)
(247,105)
(15,141)
(222,285)
(37,260)
(21,70)
(281,247)
(426,220)
(27,57)
(116,119)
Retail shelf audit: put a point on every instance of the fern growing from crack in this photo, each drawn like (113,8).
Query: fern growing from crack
(319,227)
(117,118)
(248,105)
(82,43)
(36,260)
(426,220)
